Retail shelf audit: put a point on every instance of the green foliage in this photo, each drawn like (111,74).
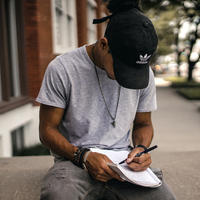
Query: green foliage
(190,90)
(165,32)
(190,93)
(181,82)
(175,79)
(157,4)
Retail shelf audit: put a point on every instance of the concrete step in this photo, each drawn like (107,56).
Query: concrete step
(21,176)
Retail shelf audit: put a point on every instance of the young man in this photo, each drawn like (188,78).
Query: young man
(89,98)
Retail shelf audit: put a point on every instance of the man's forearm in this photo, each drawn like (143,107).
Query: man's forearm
(55,141)
(142,134)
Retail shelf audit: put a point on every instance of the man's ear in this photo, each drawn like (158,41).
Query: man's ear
(104,43)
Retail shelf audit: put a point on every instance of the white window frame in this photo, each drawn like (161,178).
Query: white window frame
(61,42)
(14,49)
(1,146)
(91,28)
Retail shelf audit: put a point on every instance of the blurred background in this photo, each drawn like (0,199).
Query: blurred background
(33,32)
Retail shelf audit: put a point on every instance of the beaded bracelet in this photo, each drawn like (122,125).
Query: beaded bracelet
(78,157)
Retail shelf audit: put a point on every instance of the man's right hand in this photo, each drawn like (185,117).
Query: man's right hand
(97,167)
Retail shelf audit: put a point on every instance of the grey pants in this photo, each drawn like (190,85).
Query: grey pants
(65,181)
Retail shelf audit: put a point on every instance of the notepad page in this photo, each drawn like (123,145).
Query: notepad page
(145,178)
(115,156)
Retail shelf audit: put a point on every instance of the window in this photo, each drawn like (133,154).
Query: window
(92,29)
(64,25)
(12,72)
(13,48)
(17,137)
(1,147)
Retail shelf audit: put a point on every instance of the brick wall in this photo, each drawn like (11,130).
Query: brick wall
(38,41)
(100,9)
(38,37)
(81,12)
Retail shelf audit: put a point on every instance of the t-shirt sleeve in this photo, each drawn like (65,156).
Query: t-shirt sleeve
(147,99)
(55,87)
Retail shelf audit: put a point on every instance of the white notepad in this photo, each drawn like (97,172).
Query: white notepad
(145,178)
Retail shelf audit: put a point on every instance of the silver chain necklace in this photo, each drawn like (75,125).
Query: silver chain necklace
(119,91)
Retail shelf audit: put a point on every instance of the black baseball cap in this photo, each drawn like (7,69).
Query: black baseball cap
(132,40)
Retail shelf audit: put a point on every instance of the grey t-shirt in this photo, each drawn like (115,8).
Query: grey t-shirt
(70,82)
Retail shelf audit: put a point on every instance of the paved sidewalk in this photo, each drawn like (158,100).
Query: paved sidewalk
(177,133)
(176,122)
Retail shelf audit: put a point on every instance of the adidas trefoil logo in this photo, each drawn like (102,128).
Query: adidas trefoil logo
(143,59)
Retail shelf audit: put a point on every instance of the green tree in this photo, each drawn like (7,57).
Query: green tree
(164,11)
(167,16)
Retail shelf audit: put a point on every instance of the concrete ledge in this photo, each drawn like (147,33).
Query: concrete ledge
(181,171)
(20,177)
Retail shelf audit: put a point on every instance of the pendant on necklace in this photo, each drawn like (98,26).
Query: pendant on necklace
(113,123)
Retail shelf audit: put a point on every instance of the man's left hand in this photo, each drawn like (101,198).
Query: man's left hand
(138,163)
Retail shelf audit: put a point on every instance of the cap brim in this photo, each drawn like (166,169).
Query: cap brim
(131,77)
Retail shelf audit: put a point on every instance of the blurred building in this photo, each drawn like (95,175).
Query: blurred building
(32,33)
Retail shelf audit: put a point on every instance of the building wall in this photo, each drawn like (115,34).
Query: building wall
(26,116)
(39,36)
(38,50)
(81,9)
(38,41)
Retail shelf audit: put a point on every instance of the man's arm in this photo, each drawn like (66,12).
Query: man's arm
(142,134)
(50,118)
(142,129)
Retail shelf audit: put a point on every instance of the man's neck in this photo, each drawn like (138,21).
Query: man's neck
(91,53)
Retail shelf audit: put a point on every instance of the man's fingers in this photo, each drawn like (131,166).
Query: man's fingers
(98,168)
(109,171)
(140,166)
(100,175)
(144,157)
(133,153)
(113,174)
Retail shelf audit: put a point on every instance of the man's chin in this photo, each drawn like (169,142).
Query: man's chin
(112,78)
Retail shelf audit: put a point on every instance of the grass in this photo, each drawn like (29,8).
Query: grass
(176,79)
(188,89)
(190,93)
(181,82)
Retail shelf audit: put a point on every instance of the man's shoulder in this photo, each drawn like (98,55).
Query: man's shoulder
(74,56)
(67,61)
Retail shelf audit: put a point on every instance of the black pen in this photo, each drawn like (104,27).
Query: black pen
(139,154)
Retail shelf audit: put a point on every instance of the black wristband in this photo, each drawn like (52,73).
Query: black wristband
(81,160)
(140,145)
(78,157)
